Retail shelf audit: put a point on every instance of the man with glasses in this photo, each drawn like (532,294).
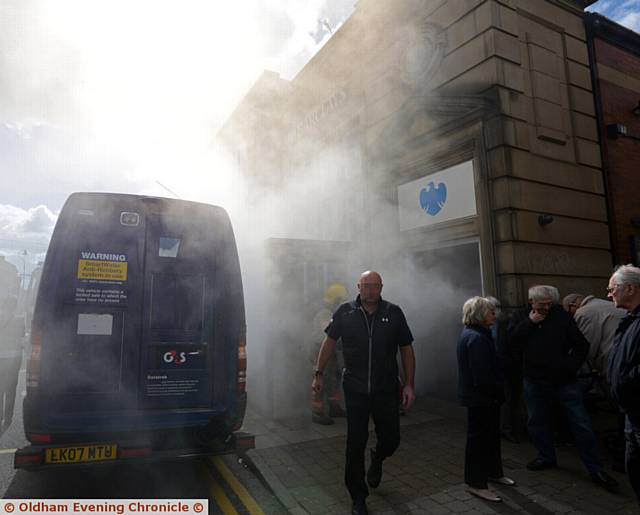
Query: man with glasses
(552,349)
(372,330)
(624,363)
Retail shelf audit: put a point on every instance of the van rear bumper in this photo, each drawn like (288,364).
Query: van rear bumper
(33,457)
(39,418)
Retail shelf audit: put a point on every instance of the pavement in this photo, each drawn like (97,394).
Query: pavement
(303,464)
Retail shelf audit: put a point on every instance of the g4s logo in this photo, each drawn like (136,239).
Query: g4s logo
(174,356)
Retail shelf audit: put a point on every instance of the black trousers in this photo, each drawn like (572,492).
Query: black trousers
(632,456)
(482,458)
(384,409)
(512,413)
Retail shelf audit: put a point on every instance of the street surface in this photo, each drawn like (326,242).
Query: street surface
(304,465)
(298,467)
(230,486)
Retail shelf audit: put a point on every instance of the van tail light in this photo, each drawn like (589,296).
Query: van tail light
(39,438)
(25,458)
(242,363)
(33,364)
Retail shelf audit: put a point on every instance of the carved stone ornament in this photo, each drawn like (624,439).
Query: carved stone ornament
(423,54)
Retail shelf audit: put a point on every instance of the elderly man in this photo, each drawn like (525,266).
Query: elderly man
(624,363)
(571,302)
(598,320)
(372,330)
(552,349)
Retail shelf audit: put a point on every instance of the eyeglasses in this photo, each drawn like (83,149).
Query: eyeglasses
(611,289)
(372,286)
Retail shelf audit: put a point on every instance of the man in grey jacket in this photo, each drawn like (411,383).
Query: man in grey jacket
(598,320)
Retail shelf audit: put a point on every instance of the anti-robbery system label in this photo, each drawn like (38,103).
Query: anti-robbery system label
(102,266)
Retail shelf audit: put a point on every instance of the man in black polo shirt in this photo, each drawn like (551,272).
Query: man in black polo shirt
(372,330)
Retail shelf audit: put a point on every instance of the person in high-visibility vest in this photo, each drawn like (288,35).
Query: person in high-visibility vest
(326,404)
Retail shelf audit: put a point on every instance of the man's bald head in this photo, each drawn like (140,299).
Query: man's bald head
(370,276)
(370,286)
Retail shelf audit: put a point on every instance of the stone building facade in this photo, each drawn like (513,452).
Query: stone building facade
(453,144)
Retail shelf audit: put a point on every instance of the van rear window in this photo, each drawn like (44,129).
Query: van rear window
(168,247)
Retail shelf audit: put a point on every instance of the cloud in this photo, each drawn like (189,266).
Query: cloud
(25,235)
(602,6)
(631,20)
(626,13)
(32,227)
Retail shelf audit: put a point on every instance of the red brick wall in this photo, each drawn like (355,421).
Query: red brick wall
(621,155)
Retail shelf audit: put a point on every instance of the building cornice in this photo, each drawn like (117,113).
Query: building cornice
(601,27)
(574,5)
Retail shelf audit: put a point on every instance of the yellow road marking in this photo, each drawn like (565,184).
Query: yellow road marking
(7,451)
(220,497)
(237,487)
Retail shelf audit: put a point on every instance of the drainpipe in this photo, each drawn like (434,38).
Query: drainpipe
(592,23)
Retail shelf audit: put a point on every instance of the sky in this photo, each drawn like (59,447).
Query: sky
(624,12)
(127,96)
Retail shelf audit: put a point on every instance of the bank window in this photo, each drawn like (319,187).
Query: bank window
(169,247)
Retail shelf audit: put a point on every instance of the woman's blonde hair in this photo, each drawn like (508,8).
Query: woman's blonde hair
(475,309)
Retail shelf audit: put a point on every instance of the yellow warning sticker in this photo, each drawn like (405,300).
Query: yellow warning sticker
(102,270)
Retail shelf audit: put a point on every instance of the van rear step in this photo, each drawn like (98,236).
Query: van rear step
(42,457)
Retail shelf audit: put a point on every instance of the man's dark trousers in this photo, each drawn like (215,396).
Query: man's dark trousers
(539,397)
(632,456)
(384,409)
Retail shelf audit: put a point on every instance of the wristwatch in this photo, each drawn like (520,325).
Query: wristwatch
(317,372)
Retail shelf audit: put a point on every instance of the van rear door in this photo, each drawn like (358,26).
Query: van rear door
(177,328)
(91,323)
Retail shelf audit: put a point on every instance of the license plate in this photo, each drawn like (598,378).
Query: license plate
(81,453)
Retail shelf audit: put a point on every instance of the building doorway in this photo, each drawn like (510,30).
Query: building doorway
(443,278)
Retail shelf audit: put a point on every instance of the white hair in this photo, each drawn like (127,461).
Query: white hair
(573,299)
(496,303)
(627,274)
(475,309)
(544,291)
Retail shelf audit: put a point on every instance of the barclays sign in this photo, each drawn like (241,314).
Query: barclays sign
(439,197)
(432,198)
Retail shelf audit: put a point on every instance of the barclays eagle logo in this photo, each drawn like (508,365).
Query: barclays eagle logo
(432,199)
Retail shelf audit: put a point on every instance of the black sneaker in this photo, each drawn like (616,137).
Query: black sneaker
(540,464)
(604,480)
(374,474)
(321,418)
(359,507)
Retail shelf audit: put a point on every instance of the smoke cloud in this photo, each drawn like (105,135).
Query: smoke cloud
(127,97)
(116,96)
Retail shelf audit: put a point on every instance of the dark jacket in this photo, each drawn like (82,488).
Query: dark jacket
(480,375)
(551,351)
(370,347)
(624,365)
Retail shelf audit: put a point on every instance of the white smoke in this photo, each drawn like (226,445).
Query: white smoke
(116,96)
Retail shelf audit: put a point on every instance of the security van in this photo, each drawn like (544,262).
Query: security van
(138,335)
